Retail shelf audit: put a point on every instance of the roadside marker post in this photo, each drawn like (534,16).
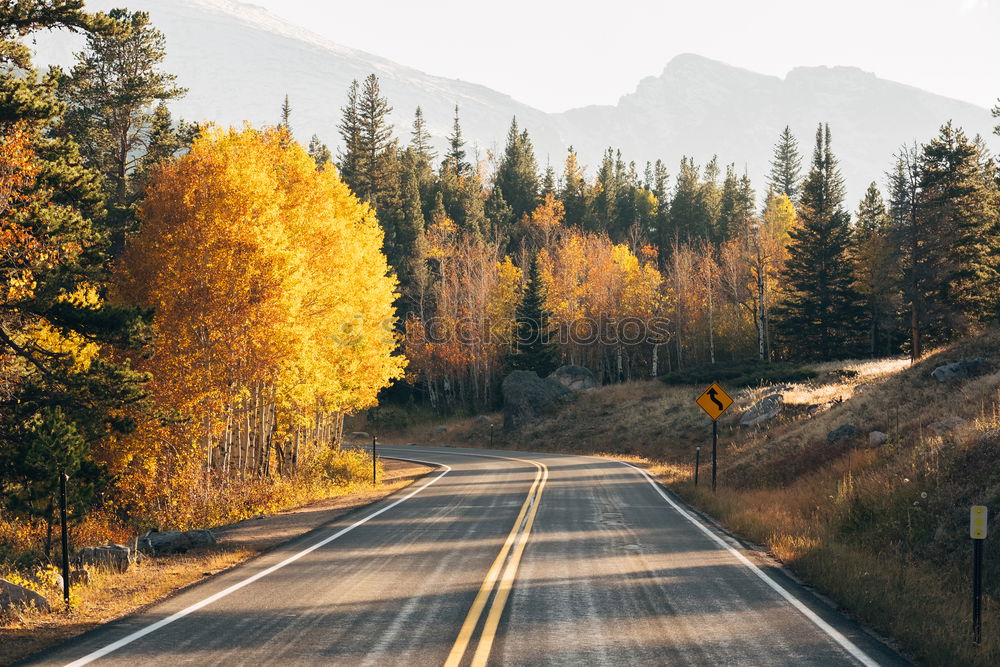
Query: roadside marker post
(978,519)
(697,463)
(714,402)
(63,479)
(374,468)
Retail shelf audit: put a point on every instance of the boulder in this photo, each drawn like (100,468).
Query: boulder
(961,369)
(842,433)
(764,410)
(944,427)
(357,438)
(114,557)
(574,378)
(175,541)
(876,438)
(817,409)
(440,430)
(527,396)
(862,387)
(13,597)
(776,389)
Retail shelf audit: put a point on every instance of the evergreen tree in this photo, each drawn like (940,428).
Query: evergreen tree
(786,165)
(959,205)
(349,155)
(572,190)
(319,152)
(708,203)
(820,316)
(166,141)
(737,202)
(876,263)
(604,207)
(534,349)
(548,182)
(658,187)
(517,173)
(286,116)
(684,206)
(376,147)
(908,226)
(420,138)
(499,215)
(455,158)
(111,97)
(64,389)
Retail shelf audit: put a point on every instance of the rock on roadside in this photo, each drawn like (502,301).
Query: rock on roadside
(876,438)
(960,370)
(764,410)
(111,557)
(13,596)
(574,378)
(527,396)
(842,433)
(175,541)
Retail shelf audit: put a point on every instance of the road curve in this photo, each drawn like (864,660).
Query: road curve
(495,558)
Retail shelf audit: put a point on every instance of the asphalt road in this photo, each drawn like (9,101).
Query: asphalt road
(496,558)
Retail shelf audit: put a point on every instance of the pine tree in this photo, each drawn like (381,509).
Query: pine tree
(319,152)
(684,206)
(534,349)
(786,165)
(166,141)
(286,116)
(111,96)
(736,206)
(959,204)
(420,138)
(548,182)
(66,383)
(572,190)
(517,173)
(908,226)
(660,225)
(455,159)
(499,215)
(376,148)
(604,207)
(876,262)
(820,317)
(349,155)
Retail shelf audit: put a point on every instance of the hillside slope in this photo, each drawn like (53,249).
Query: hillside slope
(882,529)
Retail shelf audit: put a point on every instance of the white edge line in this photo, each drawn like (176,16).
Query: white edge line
(128,639)
(834,634)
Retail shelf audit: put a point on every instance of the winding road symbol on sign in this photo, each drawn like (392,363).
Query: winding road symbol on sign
(714,401)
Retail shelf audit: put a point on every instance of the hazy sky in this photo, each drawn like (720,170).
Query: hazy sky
(558,54)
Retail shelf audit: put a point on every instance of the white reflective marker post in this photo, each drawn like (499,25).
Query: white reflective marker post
(978,519)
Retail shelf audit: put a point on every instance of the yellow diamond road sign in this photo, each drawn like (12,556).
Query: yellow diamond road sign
(714,401)
(977,522)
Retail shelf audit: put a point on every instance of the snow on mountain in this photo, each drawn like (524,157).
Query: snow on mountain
(239,61)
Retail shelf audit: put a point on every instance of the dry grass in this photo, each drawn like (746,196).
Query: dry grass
(110,596)
(882,530)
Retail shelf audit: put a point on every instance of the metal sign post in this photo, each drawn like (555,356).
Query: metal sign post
(978,517)
(714,402)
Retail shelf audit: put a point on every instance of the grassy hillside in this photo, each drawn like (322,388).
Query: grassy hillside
(882,529)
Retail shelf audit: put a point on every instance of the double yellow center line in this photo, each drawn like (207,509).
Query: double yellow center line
(513,546)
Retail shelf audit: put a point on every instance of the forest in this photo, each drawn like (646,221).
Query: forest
(190,311)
